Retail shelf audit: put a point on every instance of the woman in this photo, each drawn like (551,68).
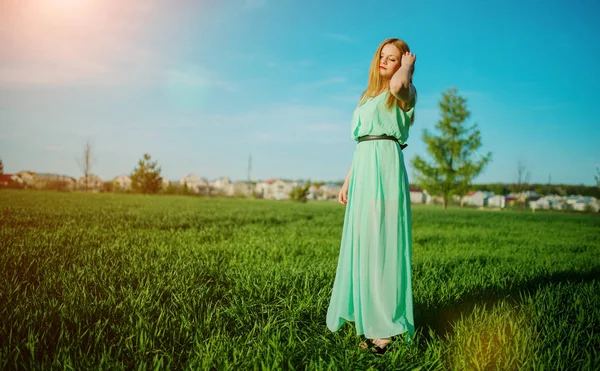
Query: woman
(373,283)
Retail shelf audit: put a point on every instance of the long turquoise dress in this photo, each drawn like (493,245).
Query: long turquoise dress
(373,283)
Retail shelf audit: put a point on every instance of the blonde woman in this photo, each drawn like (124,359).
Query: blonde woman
(373,282)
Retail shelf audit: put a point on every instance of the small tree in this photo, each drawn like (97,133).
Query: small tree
(300,193)
(453,167)
(146,177)
(1,167)
(171,189)
(597,177)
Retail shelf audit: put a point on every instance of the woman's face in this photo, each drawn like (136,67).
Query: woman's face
(389,61)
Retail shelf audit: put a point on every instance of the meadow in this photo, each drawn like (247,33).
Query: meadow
(108,281)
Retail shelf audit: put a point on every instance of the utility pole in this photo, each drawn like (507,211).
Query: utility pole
(249,170)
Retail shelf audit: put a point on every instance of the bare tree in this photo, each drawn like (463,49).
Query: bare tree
(522,183)
(1,167)
(88,162)
(597,177)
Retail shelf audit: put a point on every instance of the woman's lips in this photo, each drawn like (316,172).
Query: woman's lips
(381,67)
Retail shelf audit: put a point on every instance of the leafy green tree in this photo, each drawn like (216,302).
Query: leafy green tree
(454,165)
(146,177)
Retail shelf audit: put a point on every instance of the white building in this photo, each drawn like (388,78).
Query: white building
(496,201)
(330,191)
(477,198)
(223,186)
(586,202)
(241,188)
(194,183)
(549,202)
(277,189)
(28,177)
(123,182)
(417,196)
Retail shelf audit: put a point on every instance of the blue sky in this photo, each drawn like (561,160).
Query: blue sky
(201,85)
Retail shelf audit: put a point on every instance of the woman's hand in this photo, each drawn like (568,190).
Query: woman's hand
(343,195)
(408,60)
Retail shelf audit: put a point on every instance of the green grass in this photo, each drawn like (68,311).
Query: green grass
(105,281)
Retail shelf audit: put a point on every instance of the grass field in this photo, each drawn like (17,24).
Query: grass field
(105,281)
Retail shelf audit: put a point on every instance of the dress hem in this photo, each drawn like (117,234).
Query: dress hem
(410,331)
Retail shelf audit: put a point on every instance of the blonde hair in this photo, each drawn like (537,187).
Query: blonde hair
(375,83)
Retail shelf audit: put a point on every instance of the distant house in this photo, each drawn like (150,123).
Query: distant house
(241,188)
(194,183)
(8,179)
(314,192)
(55,181)
(510,200)
(549,202)
(122,182)
(496,201)
(571,200)
(28,177)
(417,196)
(585,203)
(277,189)
(476,198)
(223,186)
(330,191)
(541,203)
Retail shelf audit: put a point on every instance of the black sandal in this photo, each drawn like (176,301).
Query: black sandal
(376,348)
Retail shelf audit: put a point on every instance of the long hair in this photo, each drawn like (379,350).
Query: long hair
(375,83)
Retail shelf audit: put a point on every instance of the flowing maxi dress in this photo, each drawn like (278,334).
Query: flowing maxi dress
(373,281)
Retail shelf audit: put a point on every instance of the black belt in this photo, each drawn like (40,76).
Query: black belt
(375,137)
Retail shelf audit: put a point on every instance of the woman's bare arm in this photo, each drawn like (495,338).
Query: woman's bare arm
(348,175)
(400,85)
